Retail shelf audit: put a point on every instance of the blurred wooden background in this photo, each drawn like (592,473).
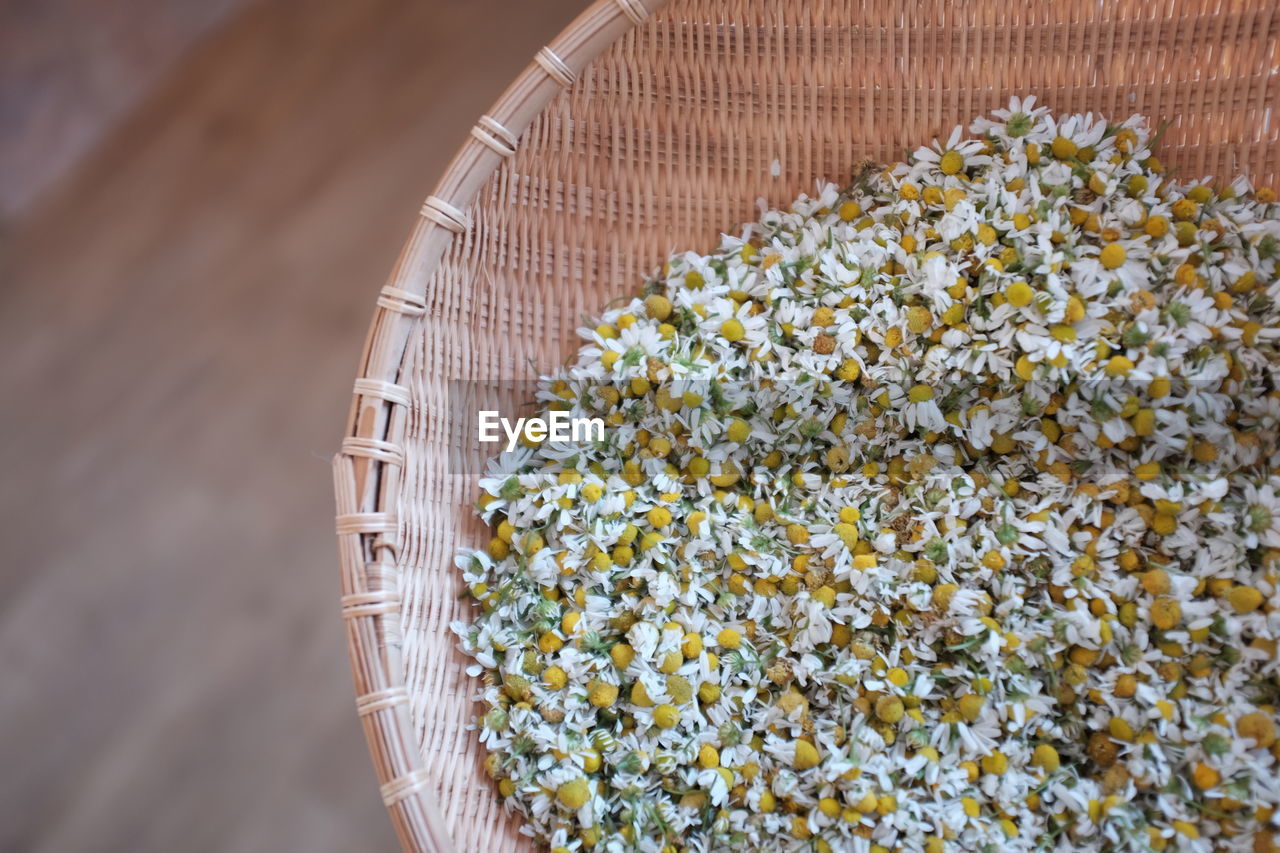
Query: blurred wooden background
(200,202)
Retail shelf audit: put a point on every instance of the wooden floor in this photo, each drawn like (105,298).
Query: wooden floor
(70,69)
(180,320)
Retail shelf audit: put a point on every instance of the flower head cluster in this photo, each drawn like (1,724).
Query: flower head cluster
(937,512)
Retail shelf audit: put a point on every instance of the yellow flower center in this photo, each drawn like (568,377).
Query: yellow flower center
(1112,256)
(951,163)
(920,393)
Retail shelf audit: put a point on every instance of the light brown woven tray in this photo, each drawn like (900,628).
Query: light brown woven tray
(643,128)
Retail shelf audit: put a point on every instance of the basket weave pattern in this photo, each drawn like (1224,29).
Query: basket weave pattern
(645,128)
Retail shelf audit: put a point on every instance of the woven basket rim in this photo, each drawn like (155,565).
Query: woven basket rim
(368,466)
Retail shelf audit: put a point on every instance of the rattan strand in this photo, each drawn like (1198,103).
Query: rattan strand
(642,129)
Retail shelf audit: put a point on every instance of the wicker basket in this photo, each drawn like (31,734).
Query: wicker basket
(645,128)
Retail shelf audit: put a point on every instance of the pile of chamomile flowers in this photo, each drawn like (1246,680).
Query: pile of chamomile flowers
(938,512)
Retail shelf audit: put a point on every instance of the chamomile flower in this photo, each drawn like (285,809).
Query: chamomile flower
(1262,514)
(1021,120)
